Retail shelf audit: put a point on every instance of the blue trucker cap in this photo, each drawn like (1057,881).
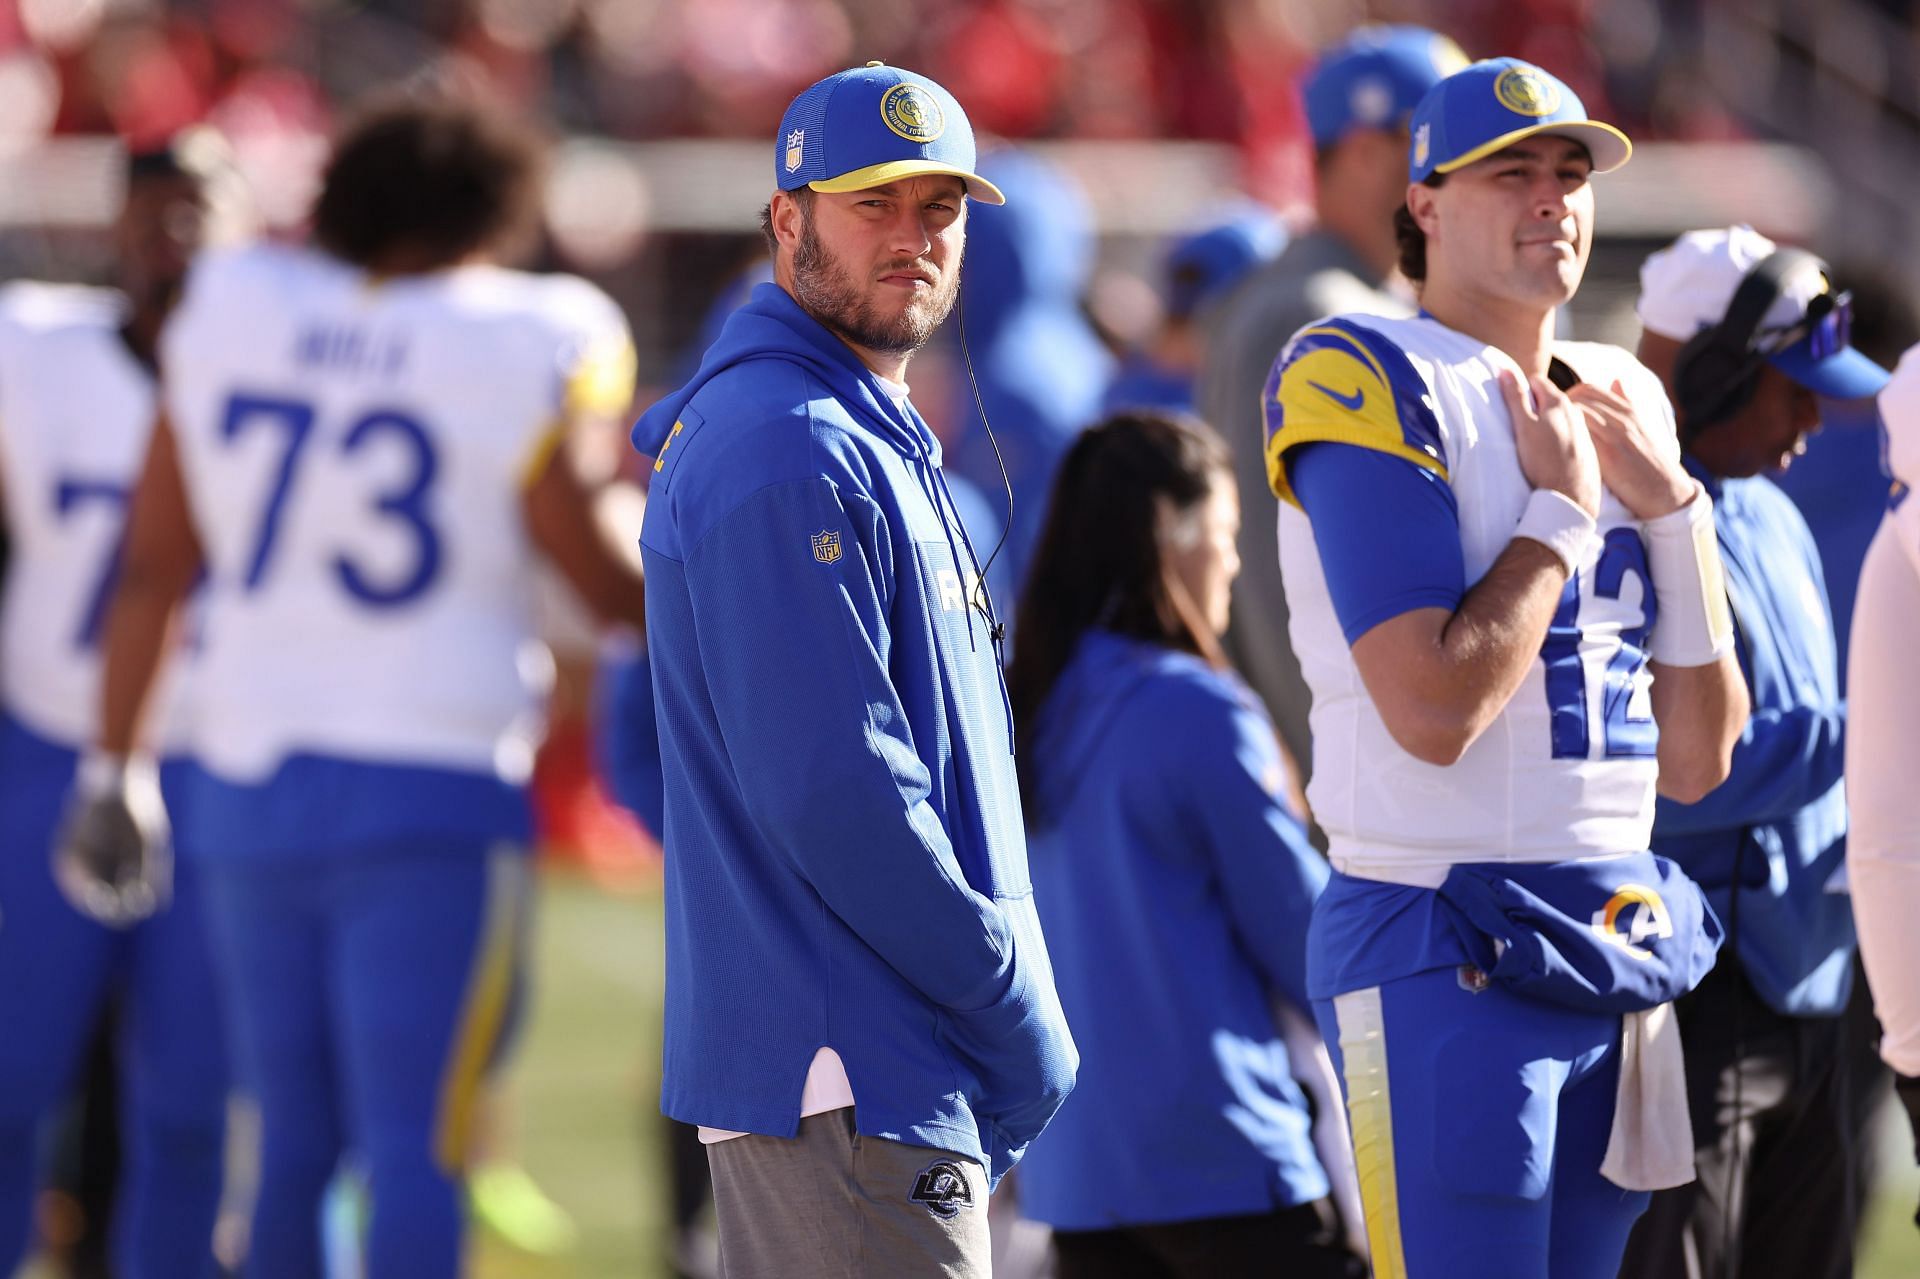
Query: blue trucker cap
(1203,265)
(1494,104)
(1374,78)
(872,125)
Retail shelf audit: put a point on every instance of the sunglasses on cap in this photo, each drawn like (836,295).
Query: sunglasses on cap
(1827,327)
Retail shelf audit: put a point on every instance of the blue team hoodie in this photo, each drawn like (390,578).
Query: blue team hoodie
(1781,815)
(845,861)
(1175,888)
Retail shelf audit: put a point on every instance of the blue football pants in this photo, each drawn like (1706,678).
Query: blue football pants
(58,973)
(368,990)
(1479,1121)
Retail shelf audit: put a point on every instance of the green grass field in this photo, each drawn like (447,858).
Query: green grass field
(586,1077)
(585,1081)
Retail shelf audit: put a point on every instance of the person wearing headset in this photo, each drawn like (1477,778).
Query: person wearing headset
(1748,338)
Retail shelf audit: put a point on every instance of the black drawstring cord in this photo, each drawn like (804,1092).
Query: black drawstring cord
(982,602)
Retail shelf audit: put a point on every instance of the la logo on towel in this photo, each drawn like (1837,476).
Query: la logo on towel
(1649,920)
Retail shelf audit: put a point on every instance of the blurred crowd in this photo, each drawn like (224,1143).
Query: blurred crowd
(272,73)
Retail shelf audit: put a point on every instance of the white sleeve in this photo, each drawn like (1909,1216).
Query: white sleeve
(1900,414)
(1883,744)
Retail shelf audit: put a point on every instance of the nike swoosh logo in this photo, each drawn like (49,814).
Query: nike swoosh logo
(1351,403)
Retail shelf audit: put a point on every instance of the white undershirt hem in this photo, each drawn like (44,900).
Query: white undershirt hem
(827,1088)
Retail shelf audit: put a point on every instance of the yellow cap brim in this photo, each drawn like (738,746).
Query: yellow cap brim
(1609,147)
(878,175)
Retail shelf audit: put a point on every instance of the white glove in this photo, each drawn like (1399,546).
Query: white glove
(113,860)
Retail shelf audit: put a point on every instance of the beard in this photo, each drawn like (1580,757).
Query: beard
(826,291)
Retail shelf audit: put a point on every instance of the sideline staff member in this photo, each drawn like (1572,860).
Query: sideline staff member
(1745,336)
(849,919)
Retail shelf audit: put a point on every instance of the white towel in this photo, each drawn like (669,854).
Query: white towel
(1651,1145)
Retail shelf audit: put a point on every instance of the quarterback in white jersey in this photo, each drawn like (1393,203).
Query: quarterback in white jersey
(77,403)
(1505,596)
(363,446)
(1566,767)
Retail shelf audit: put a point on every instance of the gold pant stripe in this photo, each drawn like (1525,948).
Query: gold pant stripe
(1363,1054)
(486,1007)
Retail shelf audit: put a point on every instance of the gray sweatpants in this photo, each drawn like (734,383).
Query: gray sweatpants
(831,1203)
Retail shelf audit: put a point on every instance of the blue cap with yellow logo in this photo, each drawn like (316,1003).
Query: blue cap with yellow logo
(873,125)
(1494,104)
(1374,78)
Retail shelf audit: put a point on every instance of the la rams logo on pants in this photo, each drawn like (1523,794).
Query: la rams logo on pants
(1643,913)
(942,1188)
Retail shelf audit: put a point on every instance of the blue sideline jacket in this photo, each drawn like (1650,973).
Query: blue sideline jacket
(1175,887)
(846,865)
(1782,812)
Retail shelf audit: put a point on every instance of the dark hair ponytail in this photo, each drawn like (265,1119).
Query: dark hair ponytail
(1099,560)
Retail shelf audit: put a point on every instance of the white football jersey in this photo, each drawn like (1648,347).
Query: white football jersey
(355,452)
(76,411)
(1883,739)
(1567,770)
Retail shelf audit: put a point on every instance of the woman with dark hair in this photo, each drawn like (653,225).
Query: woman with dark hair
(1172,878)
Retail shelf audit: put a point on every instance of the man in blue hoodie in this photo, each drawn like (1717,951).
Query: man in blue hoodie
(1746,335)
(861,1014)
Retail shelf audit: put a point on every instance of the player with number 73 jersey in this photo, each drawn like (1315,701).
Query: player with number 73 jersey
(357,452)
(363,447)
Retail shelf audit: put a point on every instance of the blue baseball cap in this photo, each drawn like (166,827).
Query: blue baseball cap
(1374,78)
(1205,264)
(872,125)
(1494,104)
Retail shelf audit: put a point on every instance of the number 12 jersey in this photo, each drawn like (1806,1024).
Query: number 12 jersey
(1567,770)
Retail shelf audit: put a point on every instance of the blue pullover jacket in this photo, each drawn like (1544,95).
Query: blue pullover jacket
(1176,888)
(846,866)
(1781,815)
(1837,484)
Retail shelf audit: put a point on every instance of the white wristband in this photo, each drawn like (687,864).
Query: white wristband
(1558,523)
(1694,626)
(99,773)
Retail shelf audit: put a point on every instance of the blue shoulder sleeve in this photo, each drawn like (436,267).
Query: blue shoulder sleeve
(1387,529)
